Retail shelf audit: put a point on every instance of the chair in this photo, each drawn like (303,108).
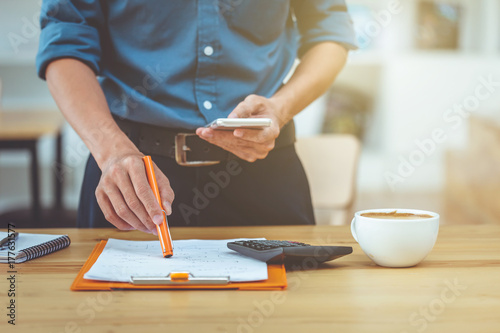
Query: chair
(331,163)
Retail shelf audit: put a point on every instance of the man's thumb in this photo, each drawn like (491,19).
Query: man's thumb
(241,111)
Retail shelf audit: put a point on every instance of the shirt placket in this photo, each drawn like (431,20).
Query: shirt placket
(207,54)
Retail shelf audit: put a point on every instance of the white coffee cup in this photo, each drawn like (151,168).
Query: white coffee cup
(395,242)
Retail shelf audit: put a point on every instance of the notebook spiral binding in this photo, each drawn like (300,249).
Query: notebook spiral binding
(46,248)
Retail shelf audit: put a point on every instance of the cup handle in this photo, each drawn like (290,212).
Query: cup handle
(353,231)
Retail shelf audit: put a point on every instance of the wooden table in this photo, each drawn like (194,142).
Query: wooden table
(456,289)
(21,129)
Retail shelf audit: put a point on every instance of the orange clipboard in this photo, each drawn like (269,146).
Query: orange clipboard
(276,279)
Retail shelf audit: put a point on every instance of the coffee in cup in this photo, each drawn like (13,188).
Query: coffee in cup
(395,237)
(395,215)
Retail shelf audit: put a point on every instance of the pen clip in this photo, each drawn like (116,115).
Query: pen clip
(4,242)
(166,222)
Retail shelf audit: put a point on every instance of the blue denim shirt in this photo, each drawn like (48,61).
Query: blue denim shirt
(184,63)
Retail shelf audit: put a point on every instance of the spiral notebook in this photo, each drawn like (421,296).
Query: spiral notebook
(31,246)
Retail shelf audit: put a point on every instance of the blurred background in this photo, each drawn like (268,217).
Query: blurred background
(422,95)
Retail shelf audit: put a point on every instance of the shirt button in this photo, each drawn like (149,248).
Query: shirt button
(207,105)
(208,51)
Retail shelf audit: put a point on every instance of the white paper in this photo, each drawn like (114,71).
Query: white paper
(122,259)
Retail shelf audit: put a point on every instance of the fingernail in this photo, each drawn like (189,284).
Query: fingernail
(167,207)
(158,219)
(238,134)
(207,133)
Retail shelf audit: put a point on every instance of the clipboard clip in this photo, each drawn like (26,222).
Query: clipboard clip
(178,278)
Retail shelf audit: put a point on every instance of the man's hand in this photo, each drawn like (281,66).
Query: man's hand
(125,196)
(123,193)
(249,144)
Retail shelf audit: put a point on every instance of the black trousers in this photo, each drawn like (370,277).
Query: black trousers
(273,191)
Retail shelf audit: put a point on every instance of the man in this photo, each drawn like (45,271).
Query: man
(170,67)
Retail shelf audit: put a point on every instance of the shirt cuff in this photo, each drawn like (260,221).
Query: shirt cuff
(337,28)
(68,40)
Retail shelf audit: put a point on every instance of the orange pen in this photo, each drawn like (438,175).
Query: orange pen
(163,231)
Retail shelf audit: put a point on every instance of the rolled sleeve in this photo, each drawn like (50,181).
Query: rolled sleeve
(323,20)
(68,32)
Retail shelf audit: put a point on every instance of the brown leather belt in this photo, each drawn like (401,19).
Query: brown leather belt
(184,145)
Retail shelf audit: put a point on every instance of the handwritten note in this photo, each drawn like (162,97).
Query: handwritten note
(122,259)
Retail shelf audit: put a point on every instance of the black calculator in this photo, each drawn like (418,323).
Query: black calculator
(287,251)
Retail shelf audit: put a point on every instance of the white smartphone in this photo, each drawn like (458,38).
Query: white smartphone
(234,123)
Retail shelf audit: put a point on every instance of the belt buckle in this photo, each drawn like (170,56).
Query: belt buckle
(180,152)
